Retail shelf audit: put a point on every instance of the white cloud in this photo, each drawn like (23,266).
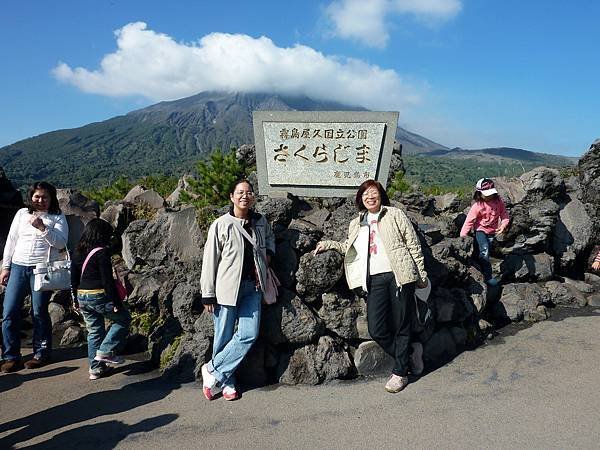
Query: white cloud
(434,9)
(155,66)
(365,20)
(361,20)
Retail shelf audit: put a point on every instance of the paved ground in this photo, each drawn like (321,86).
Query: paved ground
(538,388)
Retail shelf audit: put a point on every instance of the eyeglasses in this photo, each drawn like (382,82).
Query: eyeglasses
(371,194)
(242,193)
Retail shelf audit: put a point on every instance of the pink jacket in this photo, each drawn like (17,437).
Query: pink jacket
(484,216)
(597,258)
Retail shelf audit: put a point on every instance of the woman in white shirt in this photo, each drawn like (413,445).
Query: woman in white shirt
(37,234)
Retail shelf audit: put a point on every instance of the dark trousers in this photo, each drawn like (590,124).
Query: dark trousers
(389,318)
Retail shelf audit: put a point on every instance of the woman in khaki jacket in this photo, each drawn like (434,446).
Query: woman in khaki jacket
(383,256)
(234,272)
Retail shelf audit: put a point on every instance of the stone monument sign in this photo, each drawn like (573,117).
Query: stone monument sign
(322,153)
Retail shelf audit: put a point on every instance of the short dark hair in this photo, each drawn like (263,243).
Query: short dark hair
(238,182)
(97,233)
(50,190)
(366,185)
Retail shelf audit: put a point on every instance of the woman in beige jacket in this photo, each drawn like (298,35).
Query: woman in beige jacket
(238,248)
(383,256)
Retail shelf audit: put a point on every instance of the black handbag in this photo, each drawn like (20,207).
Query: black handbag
(423,323)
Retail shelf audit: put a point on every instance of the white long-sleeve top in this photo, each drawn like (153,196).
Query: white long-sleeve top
(27,246)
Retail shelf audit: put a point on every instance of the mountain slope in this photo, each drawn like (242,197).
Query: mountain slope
(413,143)
(167,137)
(506,154)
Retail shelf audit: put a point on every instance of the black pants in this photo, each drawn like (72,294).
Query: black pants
(389,318)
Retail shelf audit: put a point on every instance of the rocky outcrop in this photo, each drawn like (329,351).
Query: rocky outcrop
(183,185)
(78,211)
(10,202)
(589,174)
(139,195)
(317,331)
(172,236)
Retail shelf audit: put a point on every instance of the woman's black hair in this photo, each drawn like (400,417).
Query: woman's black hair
(50,190)
(240,181)
(366,185)
(97,233)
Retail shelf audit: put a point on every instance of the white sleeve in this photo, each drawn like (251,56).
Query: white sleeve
(57,235)
(11,240)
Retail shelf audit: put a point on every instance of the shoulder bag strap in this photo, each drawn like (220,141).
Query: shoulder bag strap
(245,234)
(251,240)
(90,254)
(50,252)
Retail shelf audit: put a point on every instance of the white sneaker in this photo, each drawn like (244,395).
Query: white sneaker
(396,383)
(208,380)
(209,384)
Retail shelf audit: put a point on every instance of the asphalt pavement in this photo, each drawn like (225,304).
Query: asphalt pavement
(537,388)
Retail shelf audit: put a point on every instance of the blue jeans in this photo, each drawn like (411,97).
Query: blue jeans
(95,309)
(484,242)
(20,283)
(229,347)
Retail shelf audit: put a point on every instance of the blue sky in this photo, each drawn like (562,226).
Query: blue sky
(466,73)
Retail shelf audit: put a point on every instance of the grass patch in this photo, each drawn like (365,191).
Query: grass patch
(167,355)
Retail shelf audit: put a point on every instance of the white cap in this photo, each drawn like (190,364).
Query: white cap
(486,187)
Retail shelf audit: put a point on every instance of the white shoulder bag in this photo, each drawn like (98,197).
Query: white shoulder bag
(53,275)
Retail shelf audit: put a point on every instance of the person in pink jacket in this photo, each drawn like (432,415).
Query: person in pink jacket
(487,218)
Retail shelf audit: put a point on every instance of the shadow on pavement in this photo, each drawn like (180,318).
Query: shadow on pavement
(88,407)
(68,354)
(104,435)
(12,380)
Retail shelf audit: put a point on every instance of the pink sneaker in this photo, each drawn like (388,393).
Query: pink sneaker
(229,393)
(209,384)
(211,393)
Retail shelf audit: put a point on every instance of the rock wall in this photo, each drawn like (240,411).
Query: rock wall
(317,331)
(10,202)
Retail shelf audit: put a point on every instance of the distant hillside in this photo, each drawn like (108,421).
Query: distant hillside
(165,138)
(506,154)
(440,174)
(413,143)
(169,137)
(457,170)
